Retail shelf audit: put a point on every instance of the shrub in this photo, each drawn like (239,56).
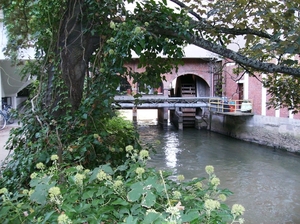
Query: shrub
(127,193)
(80,142)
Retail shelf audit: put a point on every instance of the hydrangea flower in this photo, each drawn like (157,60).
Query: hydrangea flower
(63,219)
(79,168)
(112,25)
(25,192)
(198,185)
(180,178)
(237,210)
(3,190)
(54,191)
(215,181)
(137,30)
(40,166)
(174,211)
(211,205)
(86,171)
(129,148)
(209,169)
(33,175)
(222,197)
(55,195)
(176,195)
(140,171)
(117,184)
(103,176)
(144,154)
(54,157)
(78,178)
(31,191)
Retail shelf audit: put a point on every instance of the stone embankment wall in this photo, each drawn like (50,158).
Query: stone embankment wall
(283,133)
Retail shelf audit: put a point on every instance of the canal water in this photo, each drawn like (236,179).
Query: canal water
(265,181)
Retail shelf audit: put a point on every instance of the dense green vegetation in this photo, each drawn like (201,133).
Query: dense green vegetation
(127,193)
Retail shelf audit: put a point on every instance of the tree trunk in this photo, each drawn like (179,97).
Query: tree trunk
(75,47)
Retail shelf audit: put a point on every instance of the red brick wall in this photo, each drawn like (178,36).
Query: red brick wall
(202,68)
(255,93)
(193,66)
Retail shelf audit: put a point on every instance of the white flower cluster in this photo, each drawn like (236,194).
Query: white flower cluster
(63,219)
(211,205)
(55,195)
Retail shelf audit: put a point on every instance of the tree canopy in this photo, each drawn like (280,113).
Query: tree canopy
(73,38)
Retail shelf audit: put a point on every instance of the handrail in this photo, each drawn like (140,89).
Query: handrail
(232,106)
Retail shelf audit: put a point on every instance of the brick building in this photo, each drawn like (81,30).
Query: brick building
(249,87)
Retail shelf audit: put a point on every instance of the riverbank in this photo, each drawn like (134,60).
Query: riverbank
(276,132)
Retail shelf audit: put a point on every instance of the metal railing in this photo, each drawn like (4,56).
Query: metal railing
(231,106)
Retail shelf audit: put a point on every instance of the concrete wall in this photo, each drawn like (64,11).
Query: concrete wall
(283,133)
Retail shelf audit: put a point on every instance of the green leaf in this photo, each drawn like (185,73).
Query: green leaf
(37,135)
(69,208)
(122,168)
(48,216)
(84,116)
(94,174)
(136,192)
(97,202)
(120,201)
(41,192)
(4,211)
(130,220)
(107,169)
(88,194)
(101,191)
(84,206)
(152,217)
(190,216)
(148,200)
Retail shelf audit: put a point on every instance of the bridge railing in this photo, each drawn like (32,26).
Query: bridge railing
(231,106)
(158,101)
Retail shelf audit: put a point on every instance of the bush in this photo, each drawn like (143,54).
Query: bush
(127,193)
(78,142)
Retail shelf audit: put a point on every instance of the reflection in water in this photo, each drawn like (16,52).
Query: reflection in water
(265,181)
(171,149)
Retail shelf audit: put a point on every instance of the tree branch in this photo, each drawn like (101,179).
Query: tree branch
(203,24)
(239,58)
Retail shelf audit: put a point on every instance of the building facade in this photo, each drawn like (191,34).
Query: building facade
(11,83)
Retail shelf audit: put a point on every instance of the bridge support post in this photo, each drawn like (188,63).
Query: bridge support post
(162,117)
(134,116)
(200,122)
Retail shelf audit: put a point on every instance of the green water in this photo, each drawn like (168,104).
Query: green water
(265,181)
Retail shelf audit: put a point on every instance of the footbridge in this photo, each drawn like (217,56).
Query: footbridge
(157,101)
(184,111)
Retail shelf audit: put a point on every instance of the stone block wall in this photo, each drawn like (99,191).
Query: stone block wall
(283,133)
